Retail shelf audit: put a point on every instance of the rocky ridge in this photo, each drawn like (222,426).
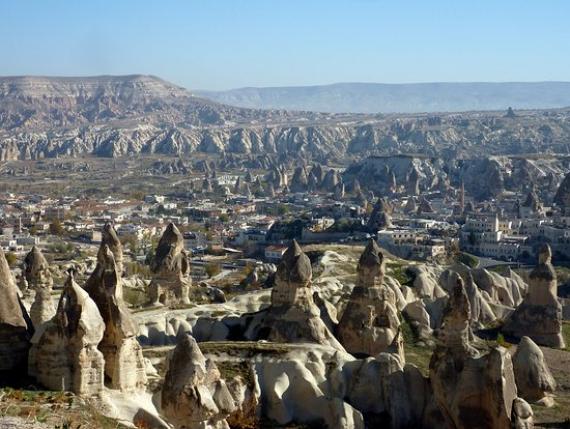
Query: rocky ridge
(113,116)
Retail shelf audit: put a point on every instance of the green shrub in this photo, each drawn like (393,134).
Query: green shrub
(12,259)
(213,269)
(470,260)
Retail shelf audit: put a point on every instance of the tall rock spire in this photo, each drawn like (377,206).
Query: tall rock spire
(293,315)
(171,280)
(370,323)
(14,328)
(64,356)
(39,279)
(124,362)
(539,316)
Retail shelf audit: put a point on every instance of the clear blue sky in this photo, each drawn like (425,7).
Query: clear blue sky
(220,44)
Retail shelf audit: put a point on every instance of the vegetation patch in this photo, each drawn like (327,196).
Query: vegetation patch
(244,348)
(471,261)
(53,409)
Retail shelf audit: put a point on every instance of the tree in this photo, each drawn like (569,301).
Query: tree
(12,259)
(282,209)
(212,269)
(224,218)
(56,228)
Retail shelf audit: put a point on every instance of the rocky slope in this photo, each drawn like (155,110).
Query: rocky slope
(483,177)
(116,116)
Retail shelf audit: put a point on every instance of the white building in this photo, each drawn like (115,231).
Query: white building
(411,243)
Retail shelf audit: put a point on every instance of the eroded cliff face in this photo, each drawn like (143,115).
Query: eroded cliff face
(484,176)
(120,115)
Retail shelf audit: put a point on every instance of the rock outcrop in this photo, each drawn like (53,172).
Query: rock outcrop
(64,354)
(114,116)
(299,182)
(539,316)
(380,218)
(171,279)
(370,323)
(124,362)
(194,396)
(39,279)
(534,380)
(472,389)
(14,326)
(562,197)
(523,416)
(293,315)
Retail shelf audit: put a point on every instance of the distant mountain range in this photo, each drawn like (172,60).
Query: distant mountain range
(400,98)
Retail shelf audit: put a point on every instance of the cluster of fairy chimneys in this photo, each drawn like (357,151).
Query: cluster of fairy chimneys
(370,323)
(464,377)
(87,342)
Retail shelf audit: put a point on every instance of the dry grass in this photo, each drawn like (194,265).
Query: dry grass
(53,409)
(247,348)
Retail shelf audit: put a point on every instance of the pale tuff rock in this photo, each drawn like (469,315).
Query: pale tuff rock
(380,217)
(312,182)
(36,270)
(419,318)
(299,182)
(472,390)
(532,202)
(411,206)
(298,388)
(455,327)
(124,363)
(14,329)
(540,314)
(392,182)
(64,353)
(171,270)
(38,277)
(522,416)
(356,188)
(370,323)
(425,282)
(277,178)
(207,186)
(258,185)
(492,296)
(193,394)
(507,291)
(110,238)
(562,197)
(482,313)
(413,182)
(270,191)
(482,308)
(238,186)
(293,315)
(401,394)
(330,180)
(339,191)
(425,206)
(534,380)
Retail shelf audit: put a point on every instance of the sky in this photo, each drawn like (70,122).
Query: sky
(222,44)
